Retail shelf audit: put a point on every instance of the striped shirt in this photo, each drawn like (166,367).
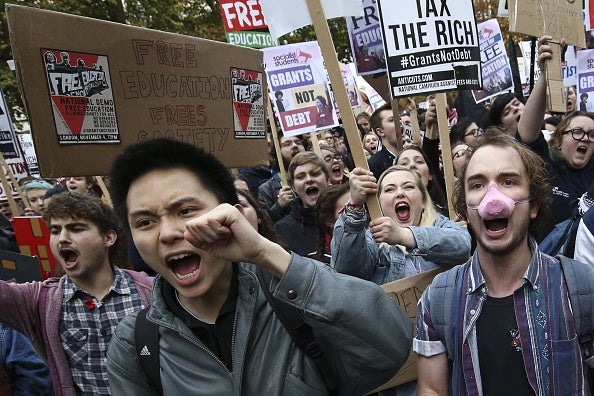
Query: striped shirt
(86,327)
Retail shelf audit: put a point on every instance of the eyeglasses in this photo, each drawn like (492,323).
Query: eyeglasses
(476,132)
(579,134)
(460,153)
(289,143)
(329,159)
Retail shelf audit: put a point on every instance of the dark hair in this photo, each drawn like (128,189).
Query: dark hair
(538,177)
(584,95)
(54,191)
(265,225)
(497,108)
(458,130)
(325,209)
(376,118)
(278,93)
(88,207)
(435,190)
(166,154)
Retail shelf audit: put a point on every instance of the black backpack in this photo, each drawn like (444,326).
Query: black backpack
(146,335)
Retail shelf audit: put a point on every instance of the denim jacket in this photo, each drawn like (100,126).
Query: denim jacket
(354,252)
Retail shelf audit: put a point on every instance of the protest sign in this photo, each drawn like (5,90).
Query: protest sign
(284,16)
(32,235)
(87,99)
(558,19)
(496,71)
(350,83)
(20,267)
(430,46)
(407,292)
(365,36)
(26,142)
(245,24)
(527,55)
(298,82)
(569,67)
(10,151)
(585,88)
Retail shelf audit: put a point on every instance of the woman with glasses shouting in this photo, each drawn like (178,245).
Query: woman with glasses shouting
(568,154)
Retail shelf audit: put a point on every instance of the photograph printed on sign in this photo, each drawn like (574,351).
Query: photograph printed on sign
(81,95)
(248,103)
(365,36)
(298,82)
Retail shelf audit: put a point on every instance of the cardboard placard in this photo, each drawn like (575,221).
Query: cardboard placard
(32,235)
(407,292)
(92,87)
(558,19)
(19,267)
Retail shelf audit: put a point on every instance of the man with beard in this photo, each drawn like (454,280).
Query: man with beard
(70,319)
(512,330)
(272,195)
(217,333)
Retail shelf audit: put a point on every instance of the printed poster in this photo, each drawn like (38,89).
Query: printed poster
(248,103)
(245,24)
(496,71)
(26,141)
(353,92)
(430,46)
(569,67)
(526,54)
(80,89)
(585,88)
(299,88)
(365,36)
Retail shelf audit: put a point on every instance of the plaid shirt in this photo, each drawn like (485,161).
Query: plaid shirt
(86,328)
(550,347)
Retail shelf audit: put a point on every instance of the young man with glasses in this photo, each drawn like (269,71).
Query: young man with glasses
(272,195)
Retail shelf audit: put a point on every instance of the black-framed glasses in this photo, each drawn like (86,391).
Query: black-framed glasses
(476,132)
(460,153)
(329,159)
(579,134)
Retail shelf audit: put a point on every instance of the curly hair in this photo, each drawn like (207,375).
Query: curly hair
(87,207)
(538,177)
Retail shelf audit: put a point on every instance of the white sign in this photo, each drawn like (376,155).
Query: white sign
(365,35)
(430,45)
(284,16)
(299,88)
(585,88)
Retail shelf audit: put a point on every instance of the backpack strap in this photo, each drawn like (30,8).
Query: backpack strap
(301,333)
(441,298)
(146,336)
(579,279)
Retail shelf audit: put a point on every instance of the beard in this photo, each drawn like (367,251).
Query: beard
(519,235)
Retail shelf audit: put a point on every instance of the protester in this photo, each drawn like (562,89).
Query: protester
(70,320)
(363,122)
(334,165)
(34,192)
(308,176)
(411,237)
(49,194)
(22,372)
(81,185)
(272,195)
(568,155)
(214,321)
(370,143)
(382,123)
(466,131)
(328,207)
(509,328)
(459,151)
(415,159)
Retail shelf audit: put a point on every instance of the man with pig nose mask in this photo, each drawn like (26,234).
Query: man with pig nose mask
(503,322)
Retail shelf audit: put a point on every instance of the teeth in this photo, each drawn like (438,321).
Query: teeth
(187,276)
(179,256)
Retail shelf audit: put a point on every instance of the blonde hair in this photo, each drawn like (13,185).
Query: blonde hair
(429,214)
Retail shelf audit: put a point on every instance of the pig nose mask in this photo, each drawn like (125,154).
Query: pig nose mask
(495,204)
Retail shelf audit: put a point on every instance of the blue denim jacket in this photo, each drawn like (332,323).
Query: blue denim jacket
(354,252)
(28,374)
(550,347)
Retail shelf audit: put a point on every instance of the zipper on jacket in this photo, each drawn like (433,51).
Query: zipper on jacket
(199,345)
